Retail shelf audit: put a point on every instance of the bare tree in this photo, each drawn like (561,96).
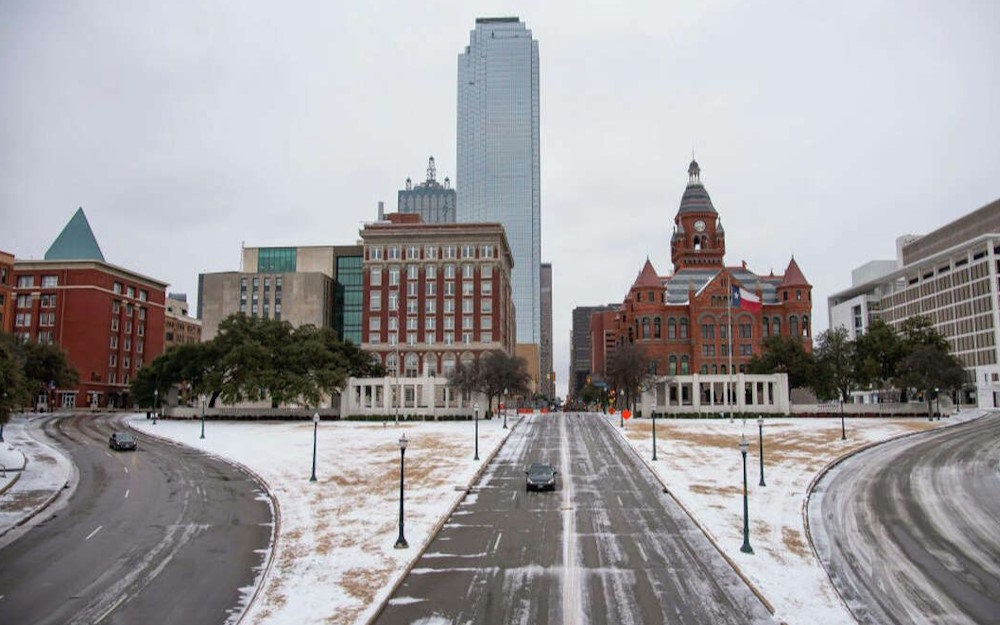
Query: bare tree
(630,371)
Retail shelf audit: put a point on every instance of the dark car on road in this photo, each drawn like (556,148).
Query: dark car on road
(122,440)
(540,476)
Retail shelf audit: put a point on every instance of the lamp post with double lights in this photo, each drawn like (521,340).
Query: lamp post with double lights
(760,437)
(654,436)
(937,399)
(156,403)
(475,408)
(746,548)
(315,427)
(401,541)
(505,409)
(203,400)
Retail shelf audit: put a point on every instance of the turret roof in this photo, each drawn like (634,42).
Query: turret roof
(76,241)
(647,278)
(793,275)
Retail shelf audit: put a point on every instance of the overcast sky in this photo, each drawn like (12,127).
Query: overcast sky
(824,130)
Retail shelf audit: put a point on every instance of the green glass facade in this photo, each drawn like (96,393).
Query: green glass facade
(276,260)
(347,299)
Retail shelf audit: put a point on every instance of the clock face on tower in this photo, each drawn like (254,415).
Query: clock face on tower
(699,226)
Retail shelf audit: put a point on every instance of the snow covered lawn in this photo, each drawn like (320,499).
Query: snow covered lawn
(335,559)
(700,462)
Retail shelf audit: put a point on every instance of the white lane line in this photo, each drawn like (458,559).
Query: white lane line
(127,491)
(107,454)
(91,535)
(111,609)
(497,543)
(126,469)
(2,596)
(572,599)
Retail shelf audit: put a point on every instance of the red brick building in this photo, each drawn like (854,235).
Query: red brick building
(435,294)
(687,320)
(6,292)
(110,320)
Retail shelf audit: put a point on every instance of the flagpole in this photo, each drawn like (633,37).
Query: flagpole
(729,332)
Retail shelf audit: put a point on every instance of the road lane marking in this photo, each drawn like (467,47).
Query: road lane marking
(126,469)
(107,454)
(572,601)
(497,543)
(111,609)
(127,490)
(91,535)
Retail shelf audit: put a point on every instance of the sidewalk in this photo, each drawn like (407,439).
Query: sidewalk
(36,472)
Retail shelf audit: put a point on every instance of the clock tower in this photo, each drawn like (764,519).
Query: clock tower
(698,241)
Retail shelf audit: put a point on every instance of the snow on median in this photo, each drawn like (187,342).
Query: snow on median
(700,462)
(335,559)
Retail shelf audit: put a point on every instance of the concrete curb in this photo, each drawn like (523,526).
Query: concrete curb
(439,526)
(753,588)
(10,484)
(835,462)
(275,507)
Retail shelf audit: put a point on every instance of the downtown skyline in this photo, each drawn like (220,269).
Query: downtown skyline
(185,132)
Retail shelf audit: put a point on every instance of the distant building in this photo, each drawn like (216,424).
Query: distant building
(110,320)
(6,292)
(318,285)
(434,202)
(580,347)
(603,339)
(499,171)
(546,373)
(950,276)
(435,294)
(179,328)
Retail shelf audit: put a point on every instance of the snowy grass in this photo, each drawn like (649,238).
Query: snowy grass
(700,462)
(335,560)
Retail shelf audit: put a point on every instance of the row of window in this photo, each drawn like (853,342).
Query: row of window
(646,328)
(27,282)
(430,273)
(431,290)
(430,305)
(47,300)
(430,252)
(256,283)
(431,338)
(116,309)
(126,363)
(129,291)
(127,344)
(140,327)
(745,349)
(430,323)
(265,310)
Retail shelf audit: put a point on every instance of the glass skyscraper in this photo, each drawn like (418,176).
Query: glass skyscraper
(498,155)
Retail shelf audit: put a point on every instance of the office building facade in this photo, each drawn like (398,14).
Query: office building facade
(546,373)
(433,201)
(6,292)
(179,327)
(498,151)
(580,346)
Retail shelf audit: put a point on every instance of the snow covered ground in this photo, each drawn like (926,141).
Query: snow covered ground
(700,462)
(39,479)
(335,560)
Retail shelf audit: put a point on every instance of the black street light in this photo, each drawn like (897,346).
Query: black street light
(843,428)
(203,400)
(1,422)
(401,541)
(654,436)
(476,409)
(937,399)
(156,403)
(315,426)
(746,548)
(760,437)
(505,409)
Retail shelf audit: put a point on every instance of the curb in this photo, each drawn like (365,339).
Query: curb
(275,507)
(833,463)
(13,481)
(439,526)
(753,588)
(42,506)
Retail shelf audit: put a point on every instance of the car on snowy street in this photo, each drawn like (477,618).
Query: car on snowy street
(540,476)
(122,440)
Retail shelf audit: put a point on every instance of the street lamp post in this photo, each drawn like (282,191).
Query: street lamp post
(937,399)
(156,403)
(203,400)
(843,428)
(654,436)
(401,541)
(505,409)
(315,426)
(760,437)
(746,548)
(475,408)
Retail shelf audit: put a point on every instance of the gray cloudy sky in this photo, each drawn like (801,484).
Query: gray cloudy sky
(824,129)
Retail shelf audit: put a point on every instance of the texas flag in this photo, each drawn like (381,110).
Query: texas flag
(744,299)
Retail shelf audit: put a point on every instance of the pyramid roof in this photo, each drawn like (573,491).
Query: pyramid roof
(793,275)
(76,241)
(648,278)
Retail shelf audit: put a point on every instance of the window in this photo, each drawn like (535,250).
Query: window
(672,330)
(449,323)
(798,295)
(130,291)
(393,338)
(672,364)
(114,341)
(468,271)
(486,287)
(413,252)
(793,326)
(805,325)
(25,282)
(450,251)
(467,306)
(412,306)
(684,328)
(375,253)
(374,324)
(47,319)
(142,314)
(429,306)
(393,252)
(467,323)
(776,326)
(708,350)
(412,289)
(430,323)
(467,338)
(486,337)
(430,272)
(22,320)
(143,295)
(486,305)
(707,331)
(128,310)
(449,289)
(468,251)
(393,301)
(449,306)
(486,251)
(431,289)
(376,277)
(45,338)
(126,361)
(486,323)
(656,328)
(412,272)
(449,338)
(430,252)
(645,327)
(24,301)
(50,282)
(449,272)
(767,326)
(139,347)
(467,288)
(411,339)
(430,338)
(113,360)
(685,365)
(394,276)
(141,330)
(375,302)
(114,324)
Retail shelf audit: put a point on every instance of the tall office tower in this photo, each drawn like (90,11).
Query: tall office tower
(433,201)
(498,155)
(548,381)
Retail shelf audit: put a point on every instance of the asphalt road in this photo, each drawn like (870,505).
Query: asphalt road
(909,530)
(161,535)
(607,547)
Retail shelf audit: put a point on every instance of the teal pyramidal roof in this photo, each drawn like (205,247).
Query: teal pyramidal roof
(76,241)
